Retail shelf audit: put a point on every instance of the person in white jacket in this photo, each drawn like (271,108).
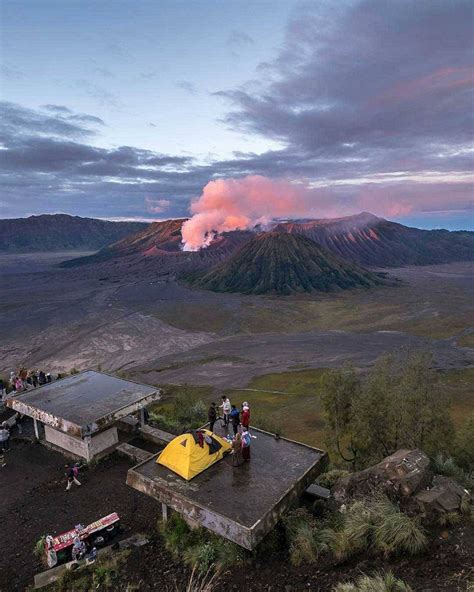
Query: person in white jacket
(226,407)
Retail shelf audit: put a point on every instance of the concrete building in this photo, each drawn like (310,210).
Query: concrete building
(79,414)
(241,504)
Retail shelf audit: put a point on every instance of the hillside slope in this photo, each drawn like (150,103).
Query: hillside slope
(158,248)
(60,232)
(376,242)
(280,263)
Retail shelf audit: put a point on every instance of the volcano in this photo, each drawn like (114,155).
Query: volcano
(159,248)
(284,263)
(363,239)
(375,242)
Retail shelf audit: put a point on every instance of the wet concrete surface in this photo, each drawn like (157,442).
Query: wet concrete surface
(85,398)
(244,494)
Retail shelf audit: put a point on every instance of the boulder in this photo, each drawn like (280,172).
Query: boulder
(444,495)
(401,474)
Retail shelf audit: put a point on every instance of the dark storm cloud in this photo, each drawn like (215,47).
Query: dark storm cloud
(386,81)
(45,161)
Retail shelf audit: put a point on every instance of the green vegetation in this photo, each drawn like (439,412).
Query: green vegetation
(289,403)
(275,262)
(199,548)
(182,410)
(38,550)
(106,573)
(397,404)
(379,583)
(373,525)
(329,478)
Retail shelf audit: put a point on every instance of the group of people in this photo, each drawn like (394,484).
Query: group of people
(22,380)
(240,421)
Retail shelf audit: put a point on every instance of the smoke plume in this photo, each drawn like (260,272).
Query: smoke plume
(238,204)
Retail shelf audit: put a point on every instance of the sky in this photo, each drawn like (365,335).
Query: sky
(133,109)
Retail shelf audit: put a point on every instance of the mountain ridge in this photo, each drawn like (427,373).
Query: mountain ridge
(61,232)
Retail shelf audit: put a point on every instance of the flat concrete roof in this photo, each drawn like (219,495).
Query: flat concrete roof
(241,503)
(84,403)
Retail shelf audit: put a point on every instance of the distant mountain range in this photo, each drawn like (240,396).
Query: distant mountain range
(60,232)
(298,255)
(283,263)
(376,242)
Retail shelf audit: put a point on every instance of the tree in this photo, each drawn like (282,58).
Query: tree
(397,404)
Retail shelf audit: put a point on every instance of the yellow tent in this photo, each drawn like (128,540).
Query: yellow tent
(185,456)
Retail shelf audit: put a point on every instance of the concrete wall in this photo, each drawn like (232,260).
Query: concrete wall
(75,446)
(103,440)
(78,446)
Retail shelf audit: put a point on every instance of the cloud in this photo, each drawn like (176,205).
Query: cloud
(238,40)
(189,87)
(386,84)
(11,73)
(157,206)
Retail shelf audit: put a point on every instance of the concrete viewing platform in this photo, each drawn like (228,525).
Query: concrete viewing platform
(79,414)
(240,503)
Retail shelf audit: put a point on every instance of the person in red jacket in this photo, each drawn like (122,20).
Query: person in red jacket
(245,416)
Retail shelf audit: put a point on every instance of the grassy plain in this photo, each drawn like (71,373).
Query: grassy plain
(289,402)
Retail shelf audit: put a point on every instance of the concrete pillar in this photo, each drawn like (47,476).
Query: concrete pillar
(35,423)
(164,512)
(142,416)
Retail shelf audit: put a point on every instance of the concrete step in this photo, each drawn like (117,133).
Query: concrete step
(128,424)
(138,455)
(155,435)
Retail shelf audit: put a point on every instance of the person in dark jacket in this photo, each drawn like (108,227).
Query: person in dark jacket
(71,474)
(212,416)
(235,419)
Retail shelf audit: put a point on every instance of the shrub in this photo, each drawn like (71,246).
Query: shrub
(329,478)
(449,519)
(398,533)
(38,551)
(445,465)
(175,533)
(202,557)
(379,583)
(376,524)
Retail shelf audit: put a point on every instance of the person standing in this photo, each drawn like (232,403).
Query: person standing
(71,474)
(245,420)
(226,408)
(18,421)
(4,437)
(212,416)
(235,418)
(246,439)
(237,459)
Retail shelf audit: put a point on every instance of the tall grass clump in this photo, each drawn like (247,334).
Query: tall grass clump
(398,533)
(377,525)
(386,582)
(305,539)
(199,548)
